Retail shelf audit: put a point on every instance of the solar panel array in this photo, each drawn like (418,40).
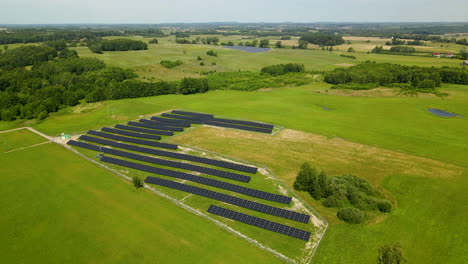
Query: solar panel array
(248,128)
(259,222)
(154,126)
(192,114)
(263,208)
(131,134)
(202,180)
(145,130)
(164,123)
(126,139)
(189,119)
(208,119)
(157,152)
(127,146)
(163,162)
(168,120)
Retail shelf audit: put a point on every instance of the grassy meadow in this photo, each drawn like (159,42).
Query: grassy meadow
(63,209)
(418,160)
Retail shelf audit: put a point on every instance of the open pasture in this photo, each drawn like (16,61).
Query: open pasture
(58,207)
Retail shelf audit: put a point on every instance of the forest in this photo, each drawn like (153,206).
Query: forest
(395,75)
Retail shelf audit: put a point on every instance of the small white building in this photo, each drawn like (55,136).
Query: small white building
(449,55)
(465,63)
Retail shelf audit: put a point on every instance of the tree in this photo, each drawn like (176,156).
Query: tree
(153,41)
(199,58)
(464,54)
(303,44)
(264,43)
(303,179)
(212,53)
(5,47)
(351,49)
(137,182)
(391,254)
(278,44)
(351,215)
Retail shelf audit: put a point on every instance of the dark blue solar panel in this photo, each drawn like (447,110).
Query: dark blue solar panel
(263,208)
(192,114)
(164,123)
(248,128)
(259,222)
(129,133)
(145,130)
(202,180)
(128,139)
(157,152)
(154,126)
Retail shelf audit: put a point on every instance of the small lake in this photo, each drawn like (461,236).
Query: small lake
(248,49)
(442,113)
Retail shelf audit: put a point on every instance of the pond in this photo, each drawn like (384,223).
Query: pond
(248,49)
(442,113)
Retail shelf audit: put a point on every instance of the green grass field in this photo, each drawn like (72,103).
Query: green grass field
(418,159)
(63,209)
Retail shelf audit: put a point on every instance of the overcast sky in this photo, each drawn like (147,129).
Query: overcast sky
(157,11)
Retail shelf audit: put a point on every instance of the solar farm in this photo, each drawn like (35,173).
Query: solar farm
(244,198)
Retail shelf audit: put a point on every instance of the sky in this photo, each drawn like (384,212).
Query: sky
(189,11)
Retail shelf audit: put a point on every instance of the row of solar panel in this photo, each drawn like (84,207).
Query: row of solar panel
(145,130)
(126,139)
(263,208)
(164,123)
(179,112)
(248,128)
(259,222)
(188,119)
(163,162)
(132,140)
(154,126)
(131,134)
(157,152)
(202,180)
(223,120)
(174,122)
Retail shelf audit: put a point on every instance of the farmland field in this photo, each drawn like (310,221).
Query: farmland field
(61,208)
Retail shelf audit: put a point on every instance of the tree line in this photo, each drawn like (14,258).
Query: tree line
(323,38)
(98,46)
(55,82)
(351,194)
(395,75)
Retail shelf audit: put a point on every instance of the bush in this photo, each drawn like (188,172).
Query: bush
(212,53)
(153,41)
(334,201)
(323,39)
(351,215)
(356,86)
(384,206)
(171,64)
(280,69)
(137,182)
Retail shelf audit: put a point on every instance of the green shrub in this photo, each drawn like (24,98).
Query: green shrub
(281,69)
(137,182)
(335,201)
(384,206)
(212,53)
(171,64)
(356,86)
(351,215)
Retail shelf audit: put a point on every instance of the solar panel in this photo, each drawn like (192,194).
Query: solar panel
(164,123)
(163,162)
(242,122)
(248,128)
(169,120)
(259,222)
(191,119)
(202,180)
(157,152)
(145,130)
(192,114)
(126,146)
(263,208)
(154,126)
(131,134)
(128,139)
